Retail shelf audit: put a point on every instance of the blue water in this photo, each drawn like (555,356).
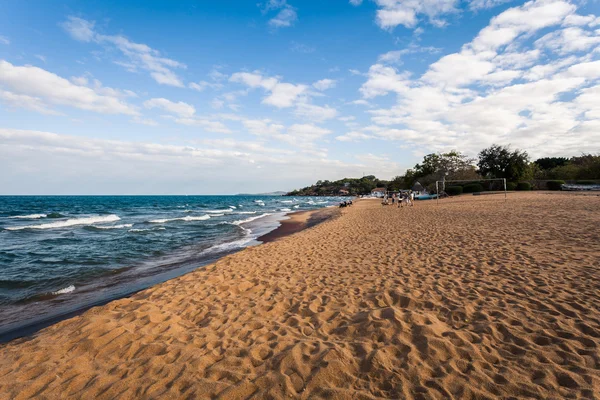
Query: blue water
(59,253)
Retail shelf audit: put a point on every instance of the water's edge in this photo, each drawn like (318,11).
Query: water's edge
(30,327)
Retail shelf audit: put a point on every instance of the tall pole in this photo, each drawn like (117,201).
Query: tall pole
(437,193)
(504,180)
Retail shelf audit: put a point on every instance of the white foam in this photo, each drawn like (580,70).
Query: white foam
(186,219)
(286,201)
(66,290)
(285,209)
(216,215)
(160,228)
(245,212)
(188,211)
(30,216)
(322,202)
(115,226)
(245,221)
(226,210)
(70,222)
(218,248)
(233,207)
(296,206)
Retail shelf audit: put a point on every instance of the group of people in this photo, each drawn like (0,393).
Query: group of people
(347,203)
(402,198)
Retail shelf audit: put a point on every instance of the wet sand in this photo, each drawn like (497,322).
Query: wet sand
(471,298)
(298,221)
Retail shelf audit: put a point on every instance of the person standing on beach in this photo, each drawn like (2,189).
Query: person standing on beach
(412,198)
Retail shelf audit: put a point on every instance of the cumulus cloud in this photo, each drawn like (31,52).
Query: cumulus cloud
(280,94)
(138,55)
(497,88)
(38,89)
(324,84)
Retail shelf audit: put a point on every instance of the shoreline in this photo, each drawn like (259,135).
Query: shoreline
(299,221)
(296,222)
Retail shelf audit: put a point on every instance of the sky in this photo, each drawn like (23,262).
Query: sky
(225,97)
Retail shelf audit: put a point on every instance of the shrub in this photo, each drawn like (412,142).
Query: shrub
(473,188)
(454,190)
(554,185)
(585,182)
(511,186)
(523,186)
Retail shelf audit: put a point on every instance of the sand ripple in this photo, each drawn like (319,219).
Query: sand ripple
(475,299)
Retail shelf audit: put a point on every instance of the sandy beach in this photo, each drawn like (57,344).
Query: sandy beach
(471,298)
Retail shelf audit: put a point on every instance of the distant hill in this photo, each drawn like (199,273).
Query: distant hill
(263,194)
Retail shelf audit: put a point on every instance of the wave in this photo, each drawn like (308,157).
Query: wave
(285,209)
(160,228)
(55,215)
(245,221)
(216,215)
(66,290)
(322,202)
(30,216)
(188,211)
(233,207)
(296,206)
(286,201)
(223,247)
(226,210)
(114,226)
(69,222)
(186,219)
(246,212)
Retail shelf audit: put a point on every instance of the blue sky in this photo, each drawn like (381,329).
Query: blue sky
(199,97)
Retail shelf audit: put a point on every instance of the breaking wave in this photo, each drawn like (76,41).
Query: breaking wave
(69,222)
(186,219)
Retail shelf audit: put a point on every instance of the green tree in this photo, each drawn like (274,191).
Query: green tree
(500,162)
(547,163)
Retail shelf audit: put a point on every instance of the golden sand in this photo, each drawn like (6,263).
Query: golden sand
(474,298)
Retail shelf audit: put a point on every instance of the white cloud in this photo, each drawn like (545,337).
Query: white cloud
(569,40)
(139,56)
(315,113)
(79,28)
(383,80)
(280,94)
(55,164)
(206,124)
(497,89)
(180,108)
(14,100)
(356,3)
(286,14)
(354,136)
(202,85)
(52,89)
(324,84)
(392,13)
(483,4)
(4,40)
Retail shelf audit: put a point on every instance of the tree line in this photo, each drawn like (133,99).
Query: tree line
(493,162)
